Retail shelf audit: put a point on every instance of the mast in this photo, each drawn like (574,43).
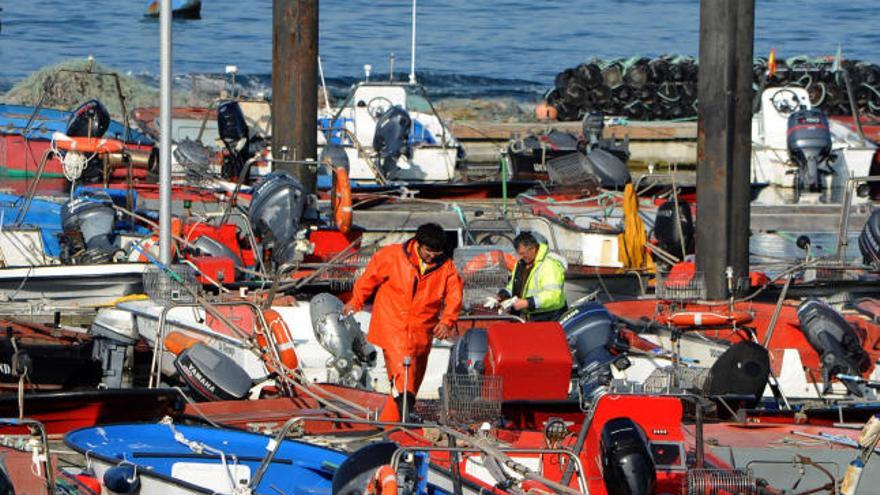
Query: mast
(412,60)
(165,136)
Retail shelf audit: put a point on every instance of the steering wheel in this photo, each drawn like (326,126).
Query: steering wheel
(377,106)
(785,101)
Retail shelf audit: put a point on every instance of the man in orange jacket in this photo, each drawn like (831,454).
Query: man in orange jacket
(418,297)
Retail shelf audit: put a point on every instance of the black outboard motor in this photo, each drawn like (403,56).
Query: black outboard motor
(590,332)
(233,130)
(835,340)
(91,119)
(392,138)
(809,145)
(627,465)
(667,232)
(593,125)
(212,374)
(88,223)
(275,212)
(468,353)
(869,241)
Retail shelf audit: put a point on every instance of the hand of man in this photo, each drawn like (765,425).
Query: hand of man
(521,304)
(348,309)
(442,331)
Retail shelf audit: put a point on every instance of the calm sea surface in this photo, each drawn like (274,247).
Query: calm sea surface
(475,48)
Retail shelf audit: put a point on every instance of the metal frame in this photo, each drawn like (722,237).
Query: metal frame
(44,443)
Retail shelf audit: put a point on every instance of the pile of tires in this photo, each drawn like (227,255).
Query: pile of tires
(665,88)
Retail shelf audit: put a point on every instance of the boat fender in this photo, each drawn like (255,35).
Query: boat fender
(88,480)
(688,319)
(340,200)
(384,482)
(122,479)
(283,340)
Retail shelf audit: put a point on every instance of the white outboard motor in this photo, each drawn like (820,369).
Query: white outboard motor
(276,212)
(351,354)
(809,146)
(869,240)
(839,347)
(391,139)
(88,223)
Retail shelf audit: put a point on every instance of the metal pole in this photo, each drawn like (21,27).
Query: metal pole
(412,61)
(165,130)
(295,88)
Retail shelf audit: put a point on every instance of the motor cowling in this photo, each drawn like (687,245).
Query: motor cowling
(809,145)
(88,223)
(869,240)
(275,212)
(611,170)
(342,337)
(668,234)
(91,119)
(391,139)
(627,465)
(235,134)
(590,333)
(839,347)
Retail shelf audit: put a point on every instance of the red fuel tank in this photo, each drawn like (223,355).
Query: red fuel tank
(533,360)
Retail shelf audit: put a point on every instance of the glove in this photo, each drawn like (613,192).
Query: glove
(508,303)
(491,302)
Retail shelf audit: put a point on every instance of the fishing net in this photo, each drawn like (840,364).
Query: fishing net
(67,84)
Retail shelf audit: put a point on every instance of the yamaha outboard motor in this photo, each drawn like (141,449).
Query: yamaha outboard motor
(276,212)
(869,240)
(627,465)
(837,343)
(233,130)
(590,332)
(91,119)
(212,374)
(668,234)
(88,223)
(809,145)
(351,354)
(392,138)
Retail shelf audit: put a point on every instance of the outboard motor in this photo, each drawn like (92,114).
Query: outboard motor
(91,119)
(627,465)
(590,332)
(211,374)
(837,343)
(667,232)
(276,212)
(233,130)
(391,138)
(869,240)
(88,223)
(342,337)
(809,145)
(593,125)
(743,369)
(468,353)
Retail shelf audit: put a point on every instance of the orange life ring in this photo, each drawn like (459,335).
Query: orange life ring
(283,341)
(688,319)
(384,482)
(340,200)
(89,144)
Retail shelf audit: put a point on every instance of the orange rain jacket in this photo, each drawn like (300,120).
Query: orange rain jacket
(408,304)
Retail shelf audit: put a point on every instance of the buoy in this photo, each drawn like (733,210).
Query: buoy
(688,319)
(384,482)
(283,340)
(545,111)
(122,479)
(340,200)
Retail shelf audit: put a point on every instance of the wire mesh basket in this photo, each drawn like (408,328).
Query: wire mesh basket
(483,272)
(672,380)
(167,289)
(468,399)
(569,169)
(680,286)
(717,481)
(342,275)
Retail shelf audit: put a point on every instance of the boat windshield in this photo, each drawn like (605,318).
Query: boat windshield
(417,103)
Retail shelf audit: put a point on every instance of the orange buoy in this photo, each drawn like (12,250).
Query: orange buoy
(340,200)
(545,111)
(384,482)
(89,144)
(688,319)
(283,341)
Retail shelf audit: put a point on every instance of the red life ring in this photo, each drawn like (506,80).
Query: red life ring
(89,145)
(340,200)
(283,340)
(384,482)
(689,319)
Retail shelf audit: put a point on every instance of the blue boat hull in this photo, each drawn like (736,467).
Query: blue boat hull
(14,119)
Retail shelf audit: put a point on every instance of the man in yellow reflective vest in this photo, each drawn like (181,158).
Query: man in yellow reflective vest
(536,289)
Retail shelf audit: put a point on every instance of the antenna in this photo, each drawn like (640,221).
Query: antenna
(412,62)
